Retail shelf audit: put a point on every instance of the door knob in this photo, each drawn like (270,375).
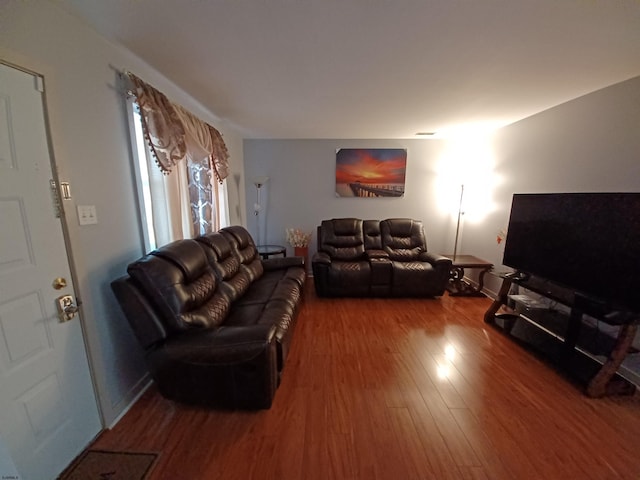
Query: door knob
(66,308)
(59,283)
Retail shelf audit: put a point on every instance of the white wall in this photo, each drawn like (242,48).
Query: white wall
(589,144)
(91,146)
(301,188)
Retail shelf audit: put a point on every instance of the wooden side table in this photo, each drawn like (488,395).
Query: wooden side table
(458,286)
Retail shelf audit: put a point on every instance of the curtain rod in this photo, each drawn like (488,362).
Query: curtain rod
(123,72)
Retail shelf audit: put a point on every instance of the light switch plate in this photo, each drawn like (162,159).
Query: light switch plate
(87,215)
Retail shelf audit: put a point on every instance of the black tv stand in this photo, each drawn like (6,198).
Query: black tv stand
(561,344)
(517,276)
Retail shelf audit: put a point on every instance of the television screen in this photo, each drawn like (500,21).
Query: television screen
(587,242)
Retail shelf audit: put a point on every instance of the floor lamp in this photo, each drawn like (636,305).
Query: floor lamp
(460,214)
(259,183)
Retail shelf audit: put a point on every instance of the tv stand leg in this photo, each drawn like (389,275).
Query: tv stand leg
(571,336)
(490,314)
(601,384)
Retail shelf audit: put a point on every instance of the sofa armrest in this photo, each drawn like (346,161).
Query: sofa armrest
(228,367)
(321,266)
(321,258)
(381,271)
(222,345)
(279,263)
(436,260)
(141,315)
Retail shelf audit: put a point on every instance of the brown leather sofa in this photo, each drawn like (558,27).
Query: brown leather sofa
(215,321)
(366,258)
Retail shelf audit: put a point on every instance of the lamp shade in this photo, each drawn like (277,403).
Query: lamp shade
(260,181)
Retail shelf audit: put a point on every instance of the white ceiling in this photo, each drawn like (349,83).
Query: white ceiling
(375,68)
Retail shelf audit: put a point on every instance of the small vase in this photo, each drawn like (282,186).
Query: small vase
(301,252)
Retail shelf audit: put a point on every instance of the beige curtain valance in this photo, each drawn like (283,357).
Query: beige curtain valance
(174,133)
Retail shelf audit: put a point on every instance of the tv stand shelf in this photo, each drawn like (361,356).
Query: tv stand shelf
(562,338)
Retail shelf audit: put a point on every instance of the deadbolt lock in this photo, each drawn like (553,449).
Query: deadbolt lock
(67,309)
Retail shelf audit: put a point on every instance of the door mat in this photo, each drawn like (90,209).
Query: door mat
(105,465)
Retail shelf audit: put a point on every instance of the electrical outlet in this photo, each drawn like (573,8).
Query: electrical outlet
(87,215)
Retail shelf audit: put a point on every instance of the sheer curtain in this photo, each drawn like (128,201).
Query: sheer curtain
(187,162)
(170,199)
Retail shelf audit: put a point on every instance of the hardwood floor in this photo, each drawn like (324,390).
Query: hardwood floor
(396,389)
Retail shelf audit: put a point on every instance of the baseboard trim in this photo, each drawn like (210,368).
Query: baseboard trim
(144,383)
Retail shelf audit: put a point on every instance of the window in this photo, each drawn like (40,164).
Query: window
(183,204)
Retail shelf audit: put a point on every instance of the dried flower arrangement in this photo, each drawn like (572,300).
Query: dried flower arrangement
(298,237)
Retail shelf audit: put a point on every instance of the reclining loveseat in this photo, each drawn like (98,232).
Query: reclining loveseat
(215,321)
(367,258)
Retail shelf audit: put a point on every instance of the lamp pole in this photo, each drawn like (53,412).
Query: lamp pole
(259,183)
(257,208)
(460,213)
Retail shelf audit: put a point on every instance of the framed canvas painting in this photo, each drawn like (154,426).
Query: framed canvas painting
(370,172)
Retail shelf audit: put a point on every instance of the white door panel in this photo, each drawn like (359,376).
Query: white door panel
(48,410)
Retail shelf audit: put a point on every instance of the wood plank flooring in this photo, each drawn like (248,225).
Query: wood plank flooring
(396,389)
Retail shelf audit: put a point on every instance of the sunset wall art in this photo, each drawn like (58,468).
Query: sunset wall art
(370,172)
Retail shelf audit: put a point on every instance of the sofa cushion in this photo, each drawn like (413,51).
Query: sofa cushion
(272,285)
(245,250)
(273,299)
(181,284)
(342,238)
(413,279)
(350,278)
(225,264)
(275,312)
(403,239)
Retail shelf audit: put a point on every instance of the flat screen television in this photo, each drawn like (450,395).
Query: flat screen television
(585,242)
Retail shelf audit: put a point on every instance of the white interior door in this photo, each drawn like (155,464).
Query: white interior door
(48,409)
